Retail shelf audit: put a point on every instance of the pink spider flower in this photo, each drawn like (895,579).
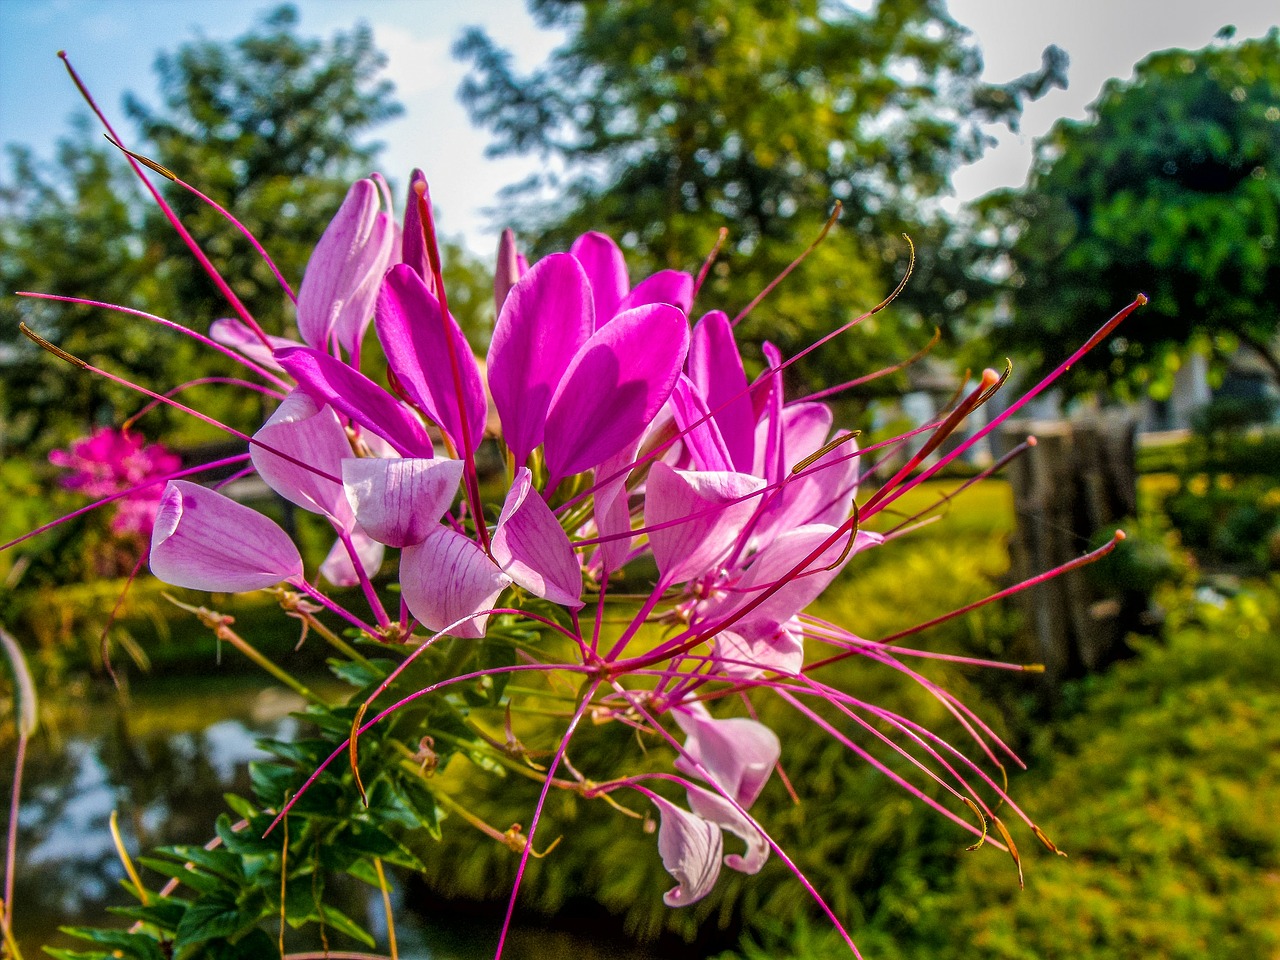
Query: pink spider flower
(113,461)
(633,440)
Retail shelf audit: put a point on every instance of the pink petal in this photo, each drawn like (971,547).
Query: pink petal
(507,272)
(606,271)
(614,387)
(612,509)
(666,286)
(699,430)
(774,563)
(532,548)
(716,809)
(422,345)
(745,658)
(690,848)
(205,541)
(357,312)
(236,334)
(399,502)
(804,429)
(338,568)
(737,752)
(715,367)
(345,254)
(712,507)
(447,577)
(354,395)
(413,244)
(314,437)
(822,493)
(766,397)
(547,317)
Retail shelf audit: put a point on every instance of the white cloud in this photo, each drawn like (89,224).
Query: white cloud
(416,63)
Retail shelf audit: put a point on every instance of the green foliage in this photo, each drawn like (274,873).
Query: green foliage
(1172,187)
(228,902)
(665,122)
(1164,790)
(1224,502)
(1227,522)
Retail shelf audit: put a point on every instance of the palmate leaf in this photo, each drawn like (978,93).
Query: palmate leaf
(220,863)
(405,803)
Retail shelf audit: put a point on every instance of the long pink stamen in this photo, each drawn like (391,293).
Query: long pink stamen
(203,382)
(1102,333)
(877,764)
(1057,571)
(868,377)
(165,478)
(232,431)
(990,471)
(848,641)
(186,331)
(989,379)
(537,813)
(769,287)
(221,211)
(169,214)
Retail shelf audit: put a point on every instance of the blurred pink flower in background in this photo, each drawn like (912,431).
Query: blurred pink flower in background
(112,461)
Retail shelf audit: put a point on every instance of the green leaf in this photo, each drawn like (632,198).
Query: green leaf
(360,675)
(255,945)
(339,921)
(209,919)
(165,914)
(240,806)
(120,943)
(220,863)
(203,883)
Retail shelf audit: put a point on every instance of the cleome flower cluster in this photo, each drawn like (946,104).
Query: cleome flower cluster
(634,446)
(628,432)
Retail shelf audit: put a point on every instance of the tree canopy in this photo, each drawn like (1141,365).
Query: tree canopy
(662,122)
(271,125)
(1170,186)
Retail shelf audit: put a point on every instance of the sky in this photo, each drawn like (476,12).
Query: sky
(113,44)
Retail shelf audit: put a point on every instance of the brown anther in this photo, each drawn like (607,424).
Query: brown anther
(514,838)
(516,841)
(426,756)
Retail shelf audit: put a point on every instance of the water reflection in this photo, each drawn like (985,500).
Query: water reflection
(165,763)
(156,763)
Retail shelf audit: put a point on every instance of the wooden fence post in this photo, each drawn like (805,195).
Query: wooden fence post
(1080,479)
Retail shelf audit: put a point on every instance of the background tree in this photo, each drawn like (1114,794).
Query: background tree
(271,125)
(663,122)
(1170,186)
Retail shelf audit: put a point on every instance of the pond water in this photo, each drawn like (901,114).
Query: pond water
(164,762)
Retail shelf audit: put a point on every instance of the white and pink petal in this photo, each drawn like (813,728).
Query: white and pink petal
(203,540)
(448,582)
